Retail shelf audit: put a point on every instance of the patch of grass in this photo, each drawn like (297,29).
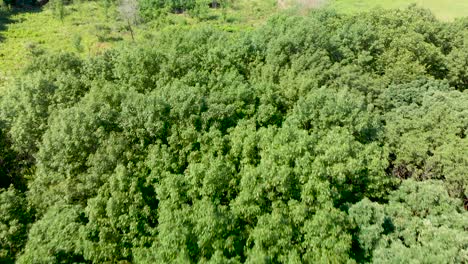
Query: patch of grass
(28,31)
(444,9)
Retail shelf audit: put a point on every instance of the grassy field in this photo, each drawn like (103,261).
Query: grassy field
(30,31)
(444,9)
(24,32)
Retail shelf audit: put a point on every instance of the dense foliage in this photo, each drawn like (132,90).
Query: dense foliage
(319,139)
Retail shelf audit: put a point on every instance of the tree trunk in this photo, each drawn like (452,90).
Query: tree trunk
(131,29)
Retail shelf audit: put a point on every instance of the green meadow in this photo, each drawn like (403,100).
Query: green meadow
(443,9)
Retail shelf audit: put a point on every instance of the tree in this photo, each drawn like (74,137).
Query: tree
(420,223)
(14,224)
(129,11)
(54,238)
(425,128)
(12,168)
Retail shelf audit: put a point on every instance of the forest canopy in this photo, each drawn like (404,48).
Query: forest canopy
(325,138)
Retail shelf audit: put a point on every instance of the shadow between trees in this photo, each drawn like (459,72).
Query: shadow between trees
(4,20)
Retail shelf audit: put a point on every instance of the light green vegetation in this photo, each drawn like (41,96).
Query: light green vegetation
(100,28)
(443,9)
(31,32)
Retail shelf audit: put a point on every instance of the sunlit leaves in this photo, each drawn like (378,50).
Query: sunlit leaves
(286,144)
